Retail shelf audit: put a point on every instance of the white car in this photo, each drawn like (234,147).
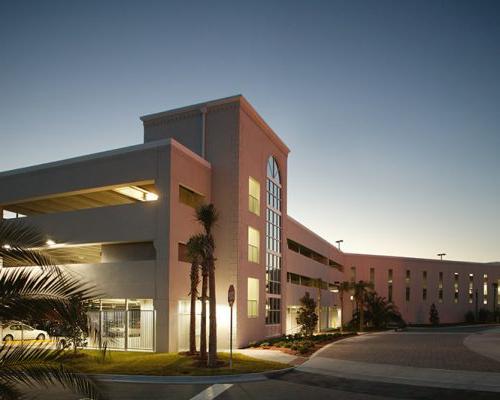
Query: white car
(19,331)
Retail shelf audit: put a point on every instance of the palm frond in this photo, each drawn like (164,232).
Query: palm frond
(207,215)
(41,366)
(25,292)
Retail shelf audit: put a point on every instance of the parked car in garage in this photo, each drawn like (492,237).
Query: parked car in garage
(19,331)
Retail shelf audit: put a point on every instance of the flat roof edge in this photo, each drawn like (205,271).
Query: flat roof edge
(420,259)
(87,157)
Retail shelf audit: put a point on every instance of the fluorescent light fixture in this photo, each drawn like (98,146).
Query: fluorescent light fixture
(137,193)
(50,242)
(6,247)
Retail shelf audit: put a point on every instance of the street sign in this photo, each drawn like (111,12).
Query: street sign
(230,295)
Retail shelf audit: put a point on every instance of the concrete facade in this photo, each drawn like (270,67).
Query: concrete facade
(208,152)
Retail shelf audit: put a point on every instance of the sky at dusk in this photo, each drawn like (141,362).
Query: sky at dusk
(391,109)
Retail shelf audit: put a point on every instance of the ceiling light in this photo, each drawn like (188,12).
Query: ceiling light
(50,242)
(137,193)
(6,247)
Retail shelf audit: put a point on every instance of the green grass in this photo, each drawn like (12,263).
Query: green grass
(162,364)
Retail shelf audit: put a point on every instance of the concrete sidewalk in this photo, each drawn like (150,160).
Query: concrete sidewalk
(429,377)
(272,355)
(486,343)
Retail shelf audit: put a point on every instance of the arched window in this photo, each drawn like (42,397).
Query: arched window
(273,171)
(273,243)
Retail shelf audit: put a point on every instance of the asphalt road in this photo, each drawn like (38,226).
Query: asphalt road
(433,347)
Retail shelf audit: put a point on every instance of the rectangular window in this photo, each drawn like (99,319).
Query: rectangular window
(372,276)
(273,310)
(407,283)
(471,288)
(455,287)
(440,288)
(190,198)
(485,289)
(389,285)
(182,253)
(253,196)
(253,298)
(253,245)
(353,274)
(424,285)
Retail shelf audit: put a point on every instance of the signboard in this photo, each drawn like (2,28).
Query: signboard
(230,295)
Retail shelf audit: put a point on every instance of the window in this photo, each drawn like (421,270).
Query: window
(424,285)
(372,276)
(455,287)
(190,198)
(273,242)
(471,289)
(389,285)
(485,289)
(182,253)
(353,274)
(253,196)
(253,245)
(440,288)
(253,297)
(273,310)
(407,282)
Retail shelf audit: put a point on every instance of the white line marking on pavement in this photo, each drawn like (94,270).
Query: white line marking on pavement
(212,392)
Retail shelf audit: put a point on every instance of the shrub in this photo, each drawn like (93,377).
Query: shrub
(434,315)
(484,315)
(470,317)
(307,317)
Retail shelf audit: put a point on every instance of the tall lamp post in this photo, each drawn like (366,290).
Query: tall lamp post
(230,299)
(441,255)
(338,243)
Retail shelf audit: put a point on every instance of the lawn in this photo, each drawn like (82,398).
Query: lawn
(140,363)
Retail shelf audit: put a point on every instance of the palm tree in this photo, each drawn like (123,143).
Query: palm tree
(343,287)
(360,289)
(207,215)
(195,246)
(27,292)
(380,311)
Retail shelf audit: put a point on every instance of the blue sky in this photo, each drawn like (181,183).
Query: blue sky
(391,109)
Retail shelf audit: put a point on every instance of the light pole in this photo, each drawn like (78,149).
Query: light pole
(338,243)
(441,255)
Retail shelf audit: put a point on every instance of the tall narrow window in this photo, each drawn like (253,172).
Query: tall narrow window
(455,287)
(485,289)
(273,243)
(471,288)
(372,276)
(253,196)
(353,274)
(253,297)
(407,283)
(440,288)
(389,285)
(424,285)
(253,245)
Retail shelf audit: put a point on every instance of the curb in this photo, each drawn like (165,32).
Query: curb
(319,351)
(182,380)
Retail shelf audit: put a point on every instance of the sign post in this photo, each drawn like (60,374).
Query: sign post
(230,300)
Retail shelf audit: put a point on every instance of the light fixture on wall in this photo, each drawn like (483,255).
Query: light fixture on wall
(137,193)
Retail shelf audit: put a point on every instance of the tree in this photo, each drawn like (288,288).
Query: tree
(73,323)
(35,292)
(360,289)
(343,287)
(207,215)
(195,247)
(380,312)
(307,317)
(433,315)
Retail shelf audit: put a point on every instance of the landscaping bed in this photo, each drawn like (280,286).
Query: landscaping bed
(162,364)
(299,345)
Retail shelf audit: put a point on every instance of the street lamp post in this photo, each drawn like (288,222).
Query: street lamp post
(338,243)
(441,255)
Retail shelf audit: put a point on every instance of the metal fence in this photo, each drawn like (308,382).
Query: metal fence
(122,330)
